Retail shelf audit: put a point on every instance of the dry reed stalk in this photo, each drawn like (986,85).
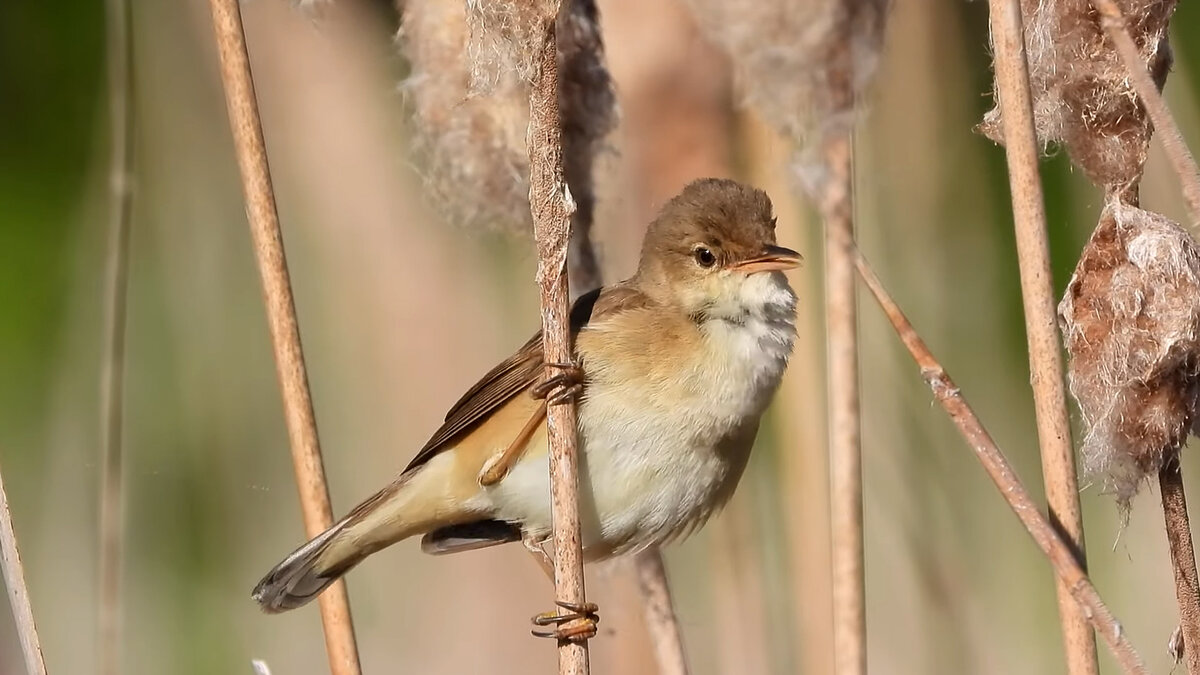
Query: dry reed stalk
(835,196)
(281,317)
(659,611)
(845,449)
(119,29)
(18,592)
(1037,293)
(1151,98)
(1048,538)
(551,207)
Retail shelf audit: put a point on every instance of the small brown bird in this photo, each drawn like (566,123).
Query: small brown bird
(677,365)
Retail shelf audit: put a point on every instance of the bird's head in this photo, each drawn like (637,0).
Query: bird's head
(712,251)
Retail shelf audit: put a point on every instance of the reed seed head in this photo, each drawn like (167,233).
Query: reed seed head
(469,92)
(1131,321)
(802,64)
(1082,98)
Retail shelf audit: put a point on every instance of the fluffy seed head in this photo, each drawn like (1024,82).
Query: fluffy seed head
(1131,321)
(469,92)
(801,63)
(1082,97)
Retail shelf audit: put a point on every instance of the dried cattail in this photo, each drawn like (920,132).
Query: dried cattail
(469,88)
(503,39)
(1082,97)
(588,109)
(470,149)
(802,65)
(1131,318)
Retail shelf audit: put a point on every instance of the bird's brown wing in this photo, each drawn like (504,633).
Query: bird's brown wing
(520,371)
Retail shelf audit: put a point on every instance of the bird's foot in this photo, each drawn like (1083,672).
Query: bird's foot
(560,388)
(577,624)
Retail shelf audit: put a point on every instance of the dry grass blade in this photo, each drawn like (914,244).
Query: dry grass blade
(551,206)
(281,316)
(1066,566)
(18,592)
(1164,122)
(1037,293)
(660,613)
(112,377)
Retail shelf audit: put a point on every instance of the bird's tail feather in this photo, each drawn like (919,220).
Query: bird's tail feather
(310,569)
(302,576)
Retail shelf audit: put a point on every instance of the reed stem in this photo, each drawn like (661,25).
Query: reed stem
(1041,323)
(551,206)
(340,644)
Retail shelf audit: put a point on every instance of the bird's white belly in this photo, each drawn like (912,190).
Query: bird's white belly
(659,459)
(643,478)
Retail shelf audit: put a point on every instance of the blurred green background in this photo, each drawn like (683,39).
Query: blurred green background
(400,311)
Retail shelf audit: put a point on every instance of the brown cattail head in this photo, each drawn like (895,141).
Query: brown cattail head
(1082,97)
(469,89)
(1131,320)
(801,63)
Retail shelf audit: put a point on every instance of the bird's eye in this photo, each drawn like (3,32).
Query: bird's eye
(704,257)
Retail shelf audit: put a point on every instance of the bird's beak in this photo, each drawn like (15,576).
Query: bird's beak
(773,258)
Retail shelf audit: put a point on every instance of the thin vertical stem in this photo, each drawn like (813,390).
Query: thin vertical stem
(834,193)
(845,451)
(1037,292)
(281,317)
(1048,537)
(551,207)
(660,613)
(119,29)
(18,592)
(1183,560)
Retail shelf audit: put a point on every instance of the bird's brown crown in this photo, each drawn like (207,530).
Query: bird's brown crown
(713,217)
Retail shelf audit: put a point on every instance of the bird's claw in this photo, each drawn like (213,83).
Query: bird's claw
(577,624)
(560,388)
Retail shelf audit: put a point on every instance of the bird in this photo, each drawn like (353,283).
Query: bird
(673,369)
